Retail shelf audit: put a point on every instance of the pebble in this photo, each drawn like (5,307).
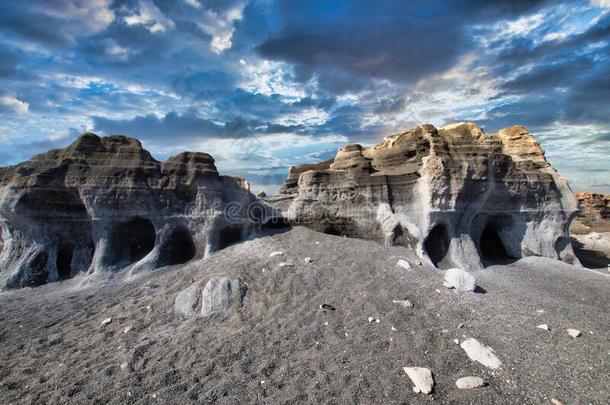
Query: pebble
(422,379)
(106,321)
(543,326)
(480,353)
(308,260)
(285,264)
(404,264)
(470,382)
(556,401)
(124,366)
(274,254)
(127,329)
(574,332)
(403,303)
(456,341)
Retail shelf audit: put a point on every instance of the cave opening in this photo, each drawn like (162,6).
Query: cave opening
(229,236)
(179,247)
(64,261)
(491,245)
(132,240)
(276,223)
(437,244)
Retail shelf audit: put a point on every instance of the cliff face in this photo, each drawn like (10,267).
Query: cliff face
(104,204)
(459,196)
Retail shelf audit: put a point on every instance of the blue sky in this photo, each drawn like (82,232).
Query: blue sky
(263,84)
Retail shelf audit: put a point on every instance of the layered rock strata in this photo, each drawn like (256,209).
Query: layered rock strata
(104,204)
(459,196)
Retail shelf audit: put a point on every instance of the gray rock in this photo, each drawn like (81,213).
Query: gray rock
(460,280)
(187,301)
(220,294)
(422,379)
(470,382)
(480,353)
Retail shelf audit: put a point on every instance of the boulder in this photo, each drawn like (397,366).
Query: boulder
(222,294)
(461,197)
(460,280)
(187,301)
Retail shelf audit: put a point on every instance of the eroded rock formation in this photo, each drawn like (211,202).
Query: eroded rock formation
(104,204)
(594,215)
(459,196)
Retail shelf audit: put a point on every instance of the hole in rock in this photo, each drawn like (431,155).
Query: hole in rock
(64,262)
(132,240)
(276,223)
(229,236)
(39,275)
(492,247)
(437,244)
(179,247)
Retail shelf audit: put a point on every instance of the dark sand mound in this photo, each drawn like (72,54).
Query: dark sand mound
(281,347)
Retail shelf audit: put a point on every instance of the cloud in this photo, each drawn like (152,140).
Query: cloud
(12,104)
(148,15)
(219,25)
(40,21)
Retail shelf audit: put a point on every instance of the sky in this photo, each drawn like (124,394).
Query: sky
(264,84)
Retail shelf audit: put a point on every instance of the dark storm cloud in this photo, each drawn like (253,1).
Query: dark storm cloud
(347,43)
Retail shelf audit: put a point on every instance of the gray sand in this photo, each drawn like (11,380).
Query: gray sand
(282,348)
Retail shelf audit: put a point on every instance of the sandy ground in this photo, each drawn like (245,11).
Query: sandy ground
(282,348)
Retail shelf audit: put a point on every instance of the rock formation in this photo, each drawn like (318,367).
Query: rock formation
(459,196)
(594,215)
(104,204)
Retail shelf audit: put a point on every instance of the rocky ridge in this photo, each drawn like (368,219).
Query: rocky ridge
(460,197)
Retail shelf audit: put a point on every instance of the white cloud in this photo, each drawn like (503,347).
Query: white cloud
(149,15)
(220,26)
(269,77)
(93,15)
(14,104)
(600,3)
(193,3)
(117,51)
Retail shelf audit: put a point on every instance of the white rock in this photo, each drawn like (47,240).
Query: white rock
(456,341)
(106,321)
(371,319)
(308,260)
(403,303)
(127,329)
(404,264)
(274,254)
(422,379)
(467,383)
(478,352)
(124,365)
(543,326)
(574,332)
(285,264)
(460,280)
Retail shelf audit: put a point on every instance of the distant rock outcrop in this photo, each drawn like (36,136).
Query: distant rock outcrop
(594,215)
(459,196)
(104,203)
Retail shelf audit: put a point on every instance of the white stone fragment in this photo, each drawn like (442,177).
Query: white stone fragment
(422,379)
(459,279)
(470,382)
(481,353)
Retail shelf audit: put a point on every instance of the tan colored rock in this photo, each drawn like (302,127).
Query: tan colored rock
(470,382)
(461,197)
